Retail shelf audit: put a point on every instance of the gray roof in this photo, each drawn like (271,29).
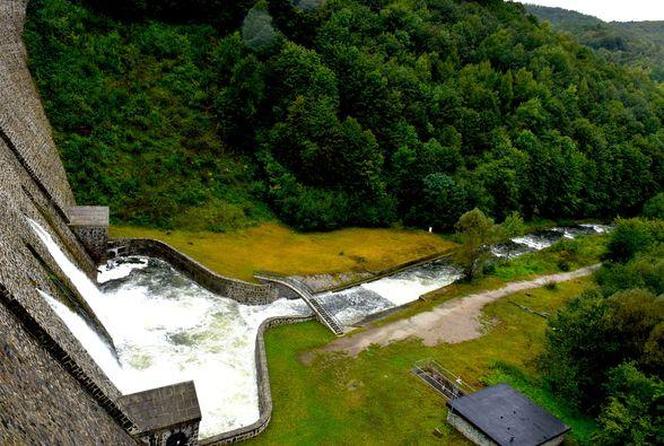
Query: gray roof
(88,215)
(508,417)
(165,406)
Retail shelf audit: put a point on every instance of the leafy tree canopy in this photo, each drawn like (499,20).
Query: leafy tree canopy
(342,112)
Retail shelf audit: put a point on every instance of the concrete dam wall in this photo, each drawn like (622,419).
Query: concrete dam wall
(51,392)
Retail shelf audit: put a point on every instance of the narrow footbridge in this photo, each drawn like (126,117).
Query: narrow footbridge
(324,316)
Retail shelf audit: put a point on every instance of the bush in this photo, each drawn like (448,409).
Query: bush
(631,236)
(632,414)
(645,271)
(654,208)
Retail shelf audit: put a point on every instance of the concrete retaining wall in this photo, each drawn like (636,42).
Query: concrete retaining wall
(243,292)
(263,381)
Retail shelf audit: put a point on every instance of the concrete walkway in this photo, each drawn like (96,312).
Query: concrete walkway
(454,321)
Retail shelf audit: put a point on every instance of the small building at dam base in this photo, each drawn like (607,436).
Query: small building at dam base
(500,415)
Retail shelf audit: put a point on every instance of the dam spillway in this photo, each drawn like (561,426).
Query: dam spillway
(166,328)
(62,380)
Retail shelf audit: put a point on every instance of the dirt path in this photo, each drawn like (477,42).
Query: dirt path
(456,320)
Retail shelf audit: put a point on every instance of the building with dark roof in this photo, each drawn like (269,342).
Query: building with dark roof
(165,416)
(500,415)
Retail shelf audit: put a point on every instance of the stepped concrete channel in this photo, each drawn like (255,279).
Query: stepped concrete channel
(324,316)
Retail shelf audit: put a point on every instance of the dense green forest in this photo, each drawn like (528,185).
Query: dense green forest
(339,112)
(638,44)
(605,349)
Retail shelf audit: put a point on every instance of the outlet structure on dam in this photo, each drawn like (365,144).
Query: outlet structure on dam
(51,391)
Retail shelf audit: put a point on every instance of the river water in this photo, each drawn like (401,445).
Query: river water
(167,329)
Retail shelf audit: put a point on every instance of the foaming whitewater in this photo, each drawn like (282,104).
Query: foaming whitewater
(167,329)
(354,304)
(99,350)
(543,239)
(120,269)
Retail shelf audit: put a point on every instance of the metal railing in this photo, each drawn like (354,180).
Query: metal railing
(307,295)
(443,381)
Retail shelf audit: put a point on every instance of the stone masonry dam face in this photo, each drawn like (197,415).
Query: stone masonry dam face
(50,389)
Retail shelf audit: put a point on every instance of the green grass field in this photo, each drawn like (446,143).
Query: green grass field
(329,398)
(276,248)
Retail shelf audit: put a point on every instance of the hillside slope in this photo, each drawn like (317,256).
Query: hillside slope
(339,113)
(639,44)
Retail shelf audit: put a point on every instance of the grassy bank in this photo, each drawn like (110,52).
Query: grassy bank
(565,255)
(324,398)
(275,248)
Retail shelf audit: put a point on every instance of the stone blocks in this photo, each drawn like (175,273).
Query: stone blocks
(90,224)
(166,415)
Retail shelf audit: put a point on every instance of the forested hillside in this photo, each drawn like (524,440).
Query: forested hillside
(339,112)
(639,44)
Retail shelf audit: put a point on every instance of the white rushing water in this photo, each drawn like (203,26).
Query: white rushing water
(543,239)
(168,329)
(120,270)
(354,304)
(99,350)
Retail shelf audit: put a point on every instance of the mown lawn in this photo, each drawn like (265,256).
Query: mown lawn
(326,398)
(272,247)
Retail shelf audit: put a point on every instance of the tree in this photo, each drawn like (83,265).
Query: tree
(578,350)
(631,236)
(441,203)
(654,208)
(258,33)
(632,414)
(476,232)
(592,334)
(396,106)
(512,226)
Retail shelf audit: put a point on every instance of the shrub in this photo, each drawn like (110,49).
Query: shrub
(631,236)
(632,414)
(654,208)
